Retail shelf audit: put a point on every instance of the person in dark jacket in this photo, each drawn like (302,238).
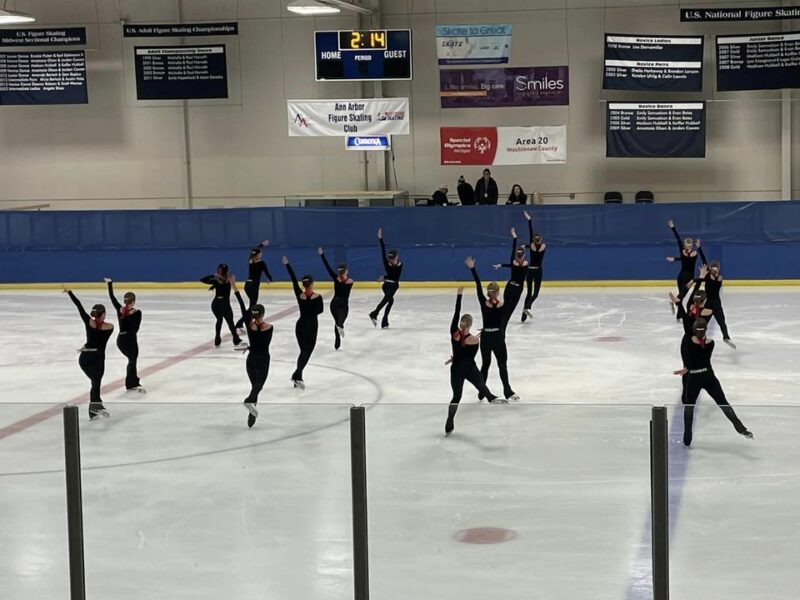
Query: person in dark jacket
(440,197)
(517,196)
(486,191)
(466,193)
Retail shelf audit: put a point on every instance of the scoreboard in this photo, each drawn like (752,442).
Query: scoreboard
(363,55)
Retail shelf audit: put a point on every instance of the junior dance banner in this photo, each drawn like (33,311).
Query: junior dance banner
(486,146)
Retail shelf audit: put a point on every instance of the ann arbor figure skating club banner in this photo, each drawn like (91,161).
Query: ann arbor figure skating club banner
(484,146)
(339,118)
(473,44)
(497,88)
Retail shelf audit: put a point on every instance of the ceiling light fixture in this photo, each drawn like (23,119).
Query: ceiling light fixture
(311,8)
(11,17)
(349,6)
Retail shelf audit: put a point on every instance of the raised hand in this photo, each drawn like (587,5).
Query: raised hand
(514,232)
(64,289)
(671,224)
(703,271)
(107,279)
(527,215)
(285,261)
(697,243)
(320,251)
(380,233)
(460,291)
(496,267)
(670,259)
(265,243)
(470,262)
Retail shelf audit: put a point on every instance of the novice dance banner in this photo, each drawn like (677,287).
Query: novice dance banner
(338,118)
(504,145)
(473,44)
(656,129)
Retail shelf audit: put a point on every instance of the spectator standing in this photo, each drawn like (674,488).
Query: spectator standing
(486,191)
(466,193)
(517,196)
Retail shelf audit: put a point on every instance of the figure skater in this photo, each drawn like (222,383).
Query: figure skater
(311,306)
(533,279)
(391,282)
(493,335)
(462,363)
(696,354)
(688,257)
(340,305)
(220,284)
(92,358)
(130,320)
(712,279)
(255,268)
(519,271)
(259,337)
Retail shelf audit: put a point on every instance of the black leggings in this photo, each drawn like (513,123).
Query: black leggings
(684,277)
(719,315)
(93,364)
(511,296)
(257,372)
(459,373)
(129,346)
(221,307)
(495,343)
(340,308)
(251,289)
(534,281)
(306,333)
(389,290)
(707,381)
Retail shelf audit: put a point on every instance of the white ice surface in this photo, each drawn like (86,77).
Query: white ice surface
(181,500)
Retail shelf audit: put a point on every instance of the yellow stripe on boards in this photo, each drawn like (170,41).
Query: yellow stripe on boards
(324,285)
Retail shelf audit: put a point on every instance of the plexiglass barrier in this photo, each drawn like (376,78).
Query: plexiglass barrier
(33,511)
(184,501)
(735,505)
(521,502)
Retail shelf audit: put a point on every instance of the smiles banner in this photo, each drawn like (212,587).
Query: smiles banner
(497,88)
(484,146)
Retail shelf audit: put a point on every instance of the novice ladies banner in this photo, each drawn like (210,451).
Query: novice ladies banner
(504,145)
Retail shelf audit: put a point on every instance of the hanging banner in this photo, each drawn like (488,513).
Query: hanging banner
(179,30)
(484,146)
(761,13)
(656,130)
(473,44)
(652,63)
(498,88)
(181,72)
(70,36)
(57,77)
(338,118)
(758,62)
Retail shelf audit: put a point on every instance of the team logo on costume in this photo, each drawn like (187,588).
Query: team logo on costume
(300,120)
(483,144)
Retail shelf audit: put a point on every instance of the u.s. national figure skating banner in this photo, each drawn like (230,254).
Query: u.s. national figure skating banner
(504,145)
(339,118)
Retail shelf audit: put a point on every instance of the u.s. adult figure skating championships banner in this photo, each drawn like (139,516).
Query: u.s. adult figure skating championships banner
(504,145)
(338,118)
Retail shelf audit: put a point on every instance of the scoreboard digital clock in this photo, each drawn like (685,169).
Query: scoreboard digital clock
(363,55)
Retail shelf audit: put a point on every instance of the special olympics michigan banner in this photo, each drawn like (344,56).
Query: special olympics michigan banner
(496,88)
(653,63)
(473,44)
(338,118)
(504,145)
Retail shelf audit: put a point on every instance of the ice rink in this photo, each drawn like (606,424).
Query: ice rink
(181,500)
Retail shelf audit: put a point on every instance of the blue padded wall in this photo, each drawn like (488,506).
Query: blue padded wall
(757,240)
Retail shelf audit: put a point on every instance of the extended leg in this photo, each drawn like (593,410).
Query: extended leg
(501,353)
(714,390)
(472,375)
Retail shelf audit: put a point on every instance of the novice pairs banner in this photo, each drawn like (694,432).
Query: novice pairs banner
(473,44)
(503,145)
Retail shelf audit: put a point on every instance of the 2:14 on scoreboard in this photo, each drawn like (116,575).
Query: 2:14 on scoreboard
(358,55)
